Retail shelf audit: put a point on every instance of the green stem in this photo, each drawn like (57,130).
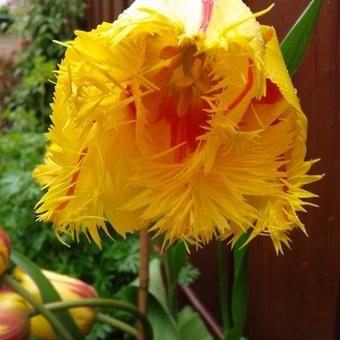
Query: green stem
(239,289)
(39,307)
(171,283)
(223,286)
(117,324)
(105,303)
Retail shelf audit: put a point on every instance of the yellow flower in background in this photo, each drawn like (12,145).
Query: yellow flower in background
(14,320)
(182,113)
(5,250)
(69,289)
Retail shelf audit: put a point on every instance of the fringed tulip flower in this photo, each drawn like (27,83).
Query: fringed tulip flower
(5,250)
(69,289)
(181,113)
(14,319)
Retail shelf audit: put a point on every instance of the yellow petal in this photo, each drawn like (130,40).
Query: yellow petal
(276,69)
(186,13)
(232,18)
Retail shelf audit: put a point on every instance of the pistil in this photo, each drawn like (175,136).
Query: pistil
(207,9)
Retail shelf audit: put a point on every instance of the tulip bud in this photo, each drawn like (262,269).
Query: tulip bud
(5,250)
(68,289)
(14,320)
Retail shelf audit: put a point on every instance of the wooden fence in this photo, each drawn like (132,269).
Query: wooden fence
(104,10)
(295,296)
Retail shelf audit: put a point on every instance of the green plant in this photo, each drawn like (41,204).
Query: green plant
(8,78)
(107,270)
(5,18)
(185,324)
(37,24)
(46,299)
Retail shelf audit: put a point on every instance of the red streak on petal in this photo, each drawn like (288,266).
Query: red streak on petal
(6,289)
(132,111)
(186,129)
(245,90)
(78,287)
(273,94)
(283,168)
(74,180)
(207,9)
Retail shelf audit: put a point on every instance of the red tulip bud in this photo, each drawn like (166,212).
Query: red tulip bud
(14,320)
(68,289)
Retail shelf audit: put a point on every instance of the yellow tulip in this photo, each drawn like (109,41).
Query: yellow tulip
(5,250)
(181,113)
(14,320)
(69,289)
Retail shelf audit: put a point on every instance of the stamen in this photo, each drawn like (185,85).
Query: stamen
(207,9)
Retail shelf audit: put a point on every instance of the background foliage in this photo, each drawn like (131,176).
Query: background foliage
(25,94)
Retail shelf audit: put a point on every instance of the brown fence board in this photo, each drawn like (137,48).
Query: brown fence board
(296,295)
(98,11)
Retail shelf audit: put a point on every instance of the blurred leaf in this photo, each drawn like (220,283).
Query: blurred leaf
(296,42)
(48,292)
(239,290)
(163,325)
(188,274)
(175,259)
(125,253)
(176,255)
(191,326)
(156,285)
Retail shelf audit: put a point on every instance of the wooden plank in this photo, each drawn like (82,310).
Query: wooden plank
(119,7)
(295,296)
(107,10)
(103,10)
(93,13)
(89,14)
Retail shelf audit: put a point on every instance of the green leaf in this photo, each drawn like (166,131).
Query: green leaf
(156,286)
(239,290)
(175,259)
(296,42)
(48,292)
(188,274)
(163,324)
(191,326)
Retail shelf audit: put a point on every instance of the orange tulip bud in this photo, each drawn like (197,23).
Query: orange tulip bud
(68,289)
(14,320)
(5,250)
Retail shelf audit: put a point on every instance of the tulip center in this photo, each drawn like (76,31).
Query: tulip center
(177,113)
